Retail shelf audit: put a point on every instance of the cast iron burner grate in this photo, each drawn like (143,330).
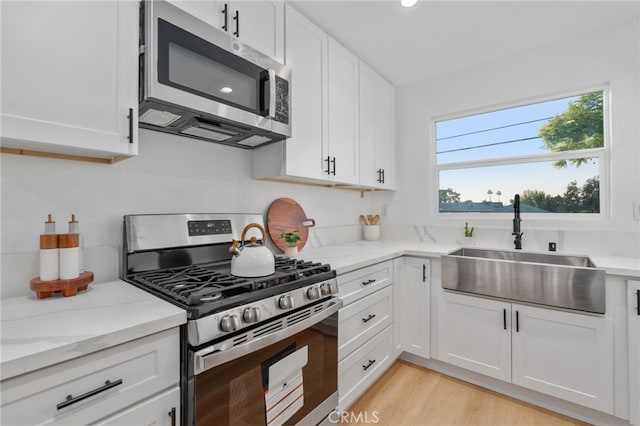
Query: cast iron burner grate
(194,285)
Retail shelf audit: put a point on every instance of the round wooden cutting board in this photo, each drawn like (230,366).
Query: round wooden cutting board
(285,215)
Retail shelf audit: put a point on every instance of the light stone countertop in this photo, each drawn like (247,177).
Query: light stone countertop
(37,333)
(351,256)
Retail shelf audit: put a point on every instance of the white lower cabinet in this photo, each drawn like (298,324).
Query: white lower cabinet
(562,354)
(413,291)
(365,329)
(161,410)
(633,305)
(126,382)
(363,367)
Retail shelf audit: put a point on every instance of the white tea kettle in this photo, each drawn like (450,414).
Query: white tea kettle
(251,260)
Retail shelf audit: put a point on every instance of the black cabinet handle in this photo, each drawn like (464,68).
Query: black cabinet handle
(638,297)
(237,19)
(517,322)
(366,367)
(504,319)
(333,161)
(369,318)
(368,282)
(72,400)
(225,12)
(379,176)
(172,414)
(328,160)
(130,117)
(424,272)
(382,176)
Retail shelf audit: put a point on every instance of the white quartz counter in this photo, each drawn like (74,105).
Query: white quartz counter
(38,333)
(348,257)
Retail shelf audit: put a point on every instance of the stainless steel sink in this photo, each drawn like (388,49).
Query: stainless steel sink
(571,282)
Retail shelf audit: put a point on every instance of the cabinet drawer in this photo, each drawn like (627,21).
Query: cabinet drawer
(357,284)
(145,366)
(363,367)
(362,320)
(161,410)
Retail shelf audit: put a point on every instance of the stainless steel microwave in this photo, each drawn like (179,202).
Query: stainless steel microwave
(197,81)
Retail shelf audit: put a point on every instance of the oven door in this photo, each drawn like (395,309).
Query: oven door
(280,378)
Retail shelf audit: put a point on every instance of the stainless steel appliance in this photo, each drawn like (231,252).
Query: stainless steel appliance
(254,350)
(198,81)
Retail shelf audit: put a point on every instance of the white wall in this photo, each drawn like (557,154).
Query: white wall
(171,174)
(607,57)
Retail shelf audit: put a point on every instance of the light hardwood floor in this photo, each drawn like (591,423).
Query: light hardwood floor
(411,395)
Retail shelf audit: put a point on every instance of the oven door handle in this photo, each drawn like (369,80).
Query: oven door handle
(208,358)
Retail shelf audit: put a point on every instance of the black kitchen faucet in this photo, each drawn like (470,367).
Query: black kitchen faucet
(516,223)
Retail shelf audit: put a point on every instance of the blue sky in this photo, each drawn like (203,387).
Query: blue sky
(503,127)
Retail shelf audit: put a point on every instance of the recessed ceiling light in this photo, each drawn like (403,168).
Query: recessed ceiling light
(408,3)
(226,90)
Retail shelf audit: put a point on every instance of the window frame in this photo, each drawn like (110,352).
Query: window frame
(603,155)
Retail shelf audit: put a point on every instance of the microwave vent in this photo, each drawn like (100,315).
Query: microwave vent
(158,118)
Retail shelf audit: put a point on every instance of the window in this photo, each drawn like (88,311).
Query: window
(551,153)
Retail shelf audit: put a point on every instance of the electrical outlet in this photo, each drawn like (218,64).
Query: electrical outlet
(636,210)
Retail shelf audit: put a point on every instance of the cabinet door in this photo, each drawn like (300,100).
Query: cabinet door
(161,410)
(343,114)
(368,168)
(566,355)
(474,333)
(306,55)
(377,121)
(415,306)
(385,131)
(260,24)
(633,303)
(70,77)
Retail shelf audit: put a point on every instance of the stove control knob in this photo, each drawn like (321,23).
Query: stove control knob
(229,323)
(285,302)
(313,292)
(251,315)
(325,289)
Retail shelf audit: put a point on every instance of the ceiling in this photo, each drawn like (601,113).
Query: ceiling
(408,45)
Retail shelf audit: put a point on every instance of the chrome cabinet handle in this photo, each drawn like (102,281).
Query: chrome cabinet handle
(369,318)
(366,367)
(72,400)
(368,282)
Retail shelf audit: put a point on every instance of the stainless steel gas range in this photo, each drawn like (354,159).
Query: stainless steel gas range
(255,351)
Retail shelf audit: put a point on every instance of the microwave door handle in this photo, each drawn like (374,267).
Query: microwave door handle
(272,94)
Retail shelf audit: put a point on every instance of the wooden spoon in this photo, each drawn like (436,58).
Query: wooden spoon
(363,219)
(370,219)
(376,219)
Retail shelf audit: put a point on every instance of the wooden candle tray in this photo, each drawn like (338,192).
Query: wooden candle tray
(68,288)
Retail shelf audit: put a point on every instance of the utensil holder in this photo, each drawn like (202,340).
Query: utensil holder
(371,232)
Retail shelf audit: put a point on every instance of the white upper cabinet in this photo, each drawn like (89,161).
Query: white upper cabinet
(258,23)
(306,55)
(342,155)
(377,130)
(70,77)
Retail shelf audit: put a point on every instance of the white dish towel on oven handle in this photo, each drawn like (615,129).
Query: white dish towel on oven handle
(285,395)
